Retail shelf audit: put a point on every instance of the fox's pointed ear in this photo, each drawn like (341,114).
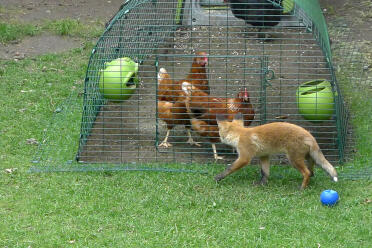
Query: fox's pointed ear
(221,117)
(238,116)
(187,87)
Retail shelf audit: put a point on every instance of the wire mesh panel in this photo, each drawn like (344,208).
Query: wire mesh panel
(274,54)
(232,76)
(352,62)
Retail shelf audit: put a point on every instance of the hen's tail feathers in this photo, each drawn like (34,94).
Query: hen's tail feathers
(187,88)
(161,74)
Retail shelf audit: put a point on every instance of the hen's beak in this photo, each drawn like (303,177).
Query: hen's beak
(203,61)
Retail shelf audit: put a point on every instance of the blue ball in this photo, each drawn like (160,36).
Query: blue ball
(329,197)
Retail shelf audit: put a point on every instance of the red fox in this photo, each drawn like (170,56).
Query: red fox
(273,138)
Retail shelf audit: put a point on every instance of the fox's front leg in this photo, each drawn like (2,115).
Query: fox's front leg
(239,163)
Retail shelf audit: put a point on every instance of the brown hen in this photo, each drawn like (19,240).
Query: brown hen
(203,109)
(171,106)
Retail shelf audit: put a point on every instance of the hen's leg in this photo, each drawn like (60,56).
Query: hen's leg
(191,140)
(263,35)
(260,35)
(165,142)
(216,157)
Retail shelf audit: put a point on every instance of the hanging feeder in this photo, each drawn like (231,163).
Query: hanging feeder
(119,80)
(315,100)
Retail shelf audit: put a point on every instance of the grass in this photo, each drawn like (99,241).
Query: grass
(65,27)
(176,210)
(71,27)
(30,91)
(148,209)
(143,209)
(10,31)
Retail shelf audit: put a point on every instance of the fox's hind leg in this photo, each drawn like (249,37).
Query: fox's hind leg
(310,165)
(297,159)
(265,169)
(239,163)
(301,166)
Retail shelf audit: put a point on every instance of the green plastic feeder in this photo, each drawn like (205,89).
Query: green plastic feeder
(315,100)
(119,80)
(288,6)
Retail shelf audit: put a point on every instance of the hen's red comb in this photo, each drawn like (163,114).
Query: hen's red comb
(245,92)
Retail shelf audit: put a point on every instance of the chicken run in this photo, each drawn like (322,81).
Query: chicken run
(269,60)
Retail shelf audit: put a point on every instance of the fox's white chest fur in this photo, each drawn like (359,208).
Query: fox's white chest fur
(230,139)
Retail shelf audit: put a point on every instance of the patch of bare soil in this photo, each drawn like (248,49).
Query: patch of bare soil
(36,45)
(36,11)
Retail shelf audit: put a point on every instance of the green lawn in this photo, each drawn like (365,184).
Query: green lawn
(151,209)
(13,31)
(135,209)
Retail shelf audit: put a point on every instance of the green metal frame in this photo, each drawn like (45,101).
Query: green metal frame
(320,31)
(91,81)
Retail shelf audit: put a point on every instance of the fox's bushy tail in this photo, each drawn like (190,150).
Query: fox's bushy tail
(320,160)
